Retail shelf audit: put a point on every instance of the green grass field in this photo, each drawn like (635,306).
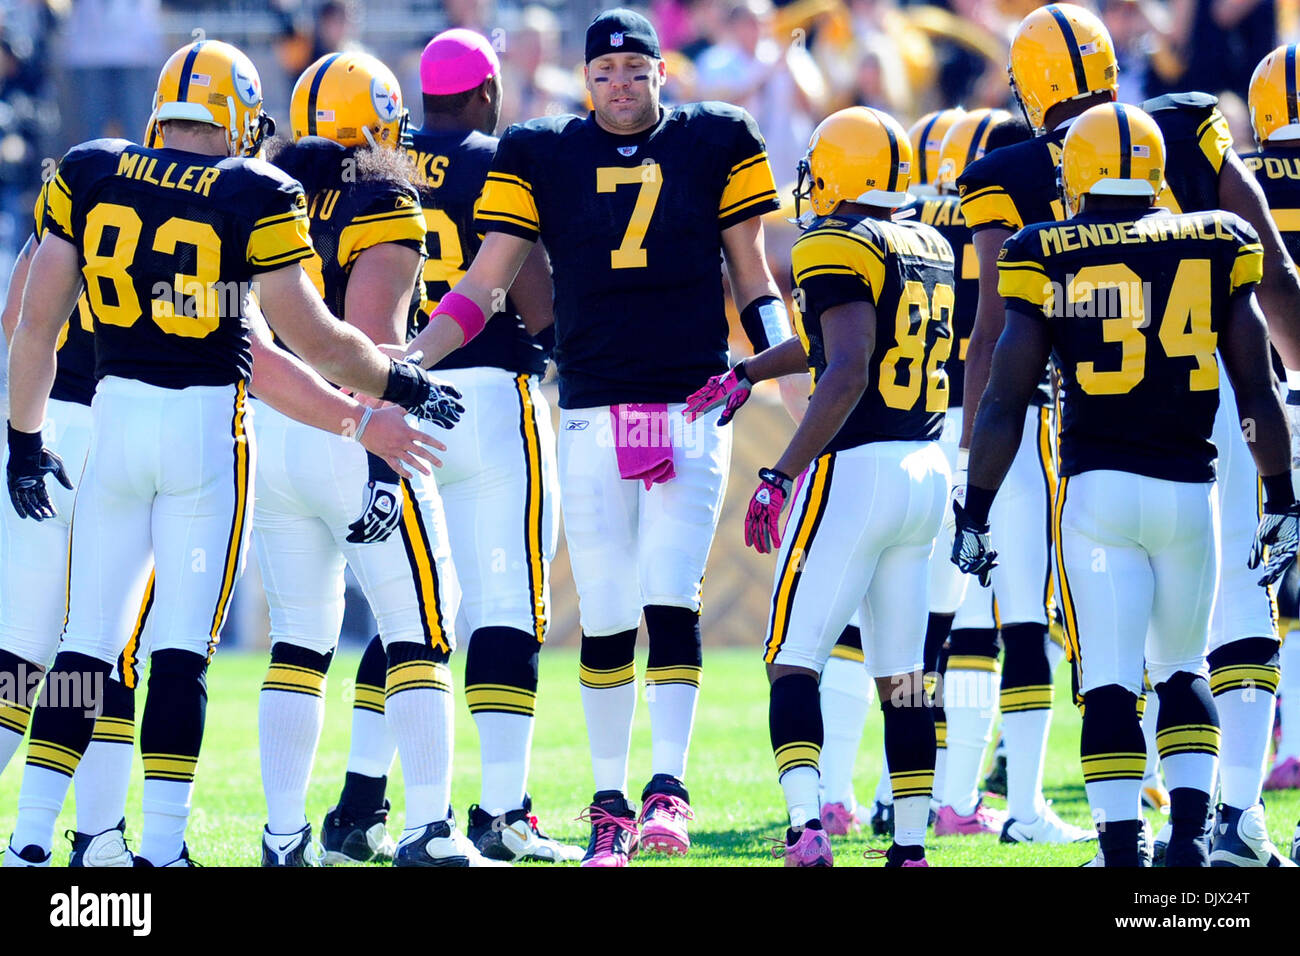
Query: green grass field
(731,776)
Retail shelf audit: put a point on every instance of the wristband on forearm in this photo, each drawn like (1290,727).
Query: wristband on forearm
(766,322)
(463,311)
(978,503)
(24,443)
(361,425)
(1278,493)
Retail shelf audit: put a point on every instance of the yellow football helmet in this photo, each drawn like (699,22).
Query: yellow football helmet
(1060,52)
(965,142)
(858,154)
(927,135)
(351,98)
(214,82)
(1112,150)
(1273,95)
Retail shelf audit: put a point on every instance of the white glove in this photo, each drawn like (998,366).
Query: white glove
(958,494)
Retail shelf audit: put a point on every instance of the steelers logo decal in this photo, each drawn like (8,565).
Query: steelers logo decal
(248,85)
(386,99)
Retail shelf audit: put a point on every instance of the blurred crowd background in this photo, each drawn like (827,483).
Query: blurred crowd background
(73,70)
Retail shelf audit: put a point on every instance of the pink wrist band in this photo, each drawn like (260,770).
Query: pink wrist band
(462,310)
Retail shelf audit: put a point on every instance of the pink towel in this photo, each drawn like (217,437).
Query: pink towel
(643,442)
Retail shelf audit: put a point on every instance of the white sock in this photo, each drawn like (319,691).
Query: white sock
(1026,735)
(166,812)
(884,788)
(846,692)
(969,701)
(911,814)
(504,743)
(288,727)
(101,783)
(421,720)
(373,748)
(800,788)
(1246,723)
(1289,698)
(672,716)
(39,802)
(609,712)
(1191,770)
(1114,800)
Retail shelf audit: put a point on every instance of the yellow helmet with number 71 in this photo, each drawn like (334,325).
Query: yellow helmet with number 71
(216,83)
(1060,52)
(857,155)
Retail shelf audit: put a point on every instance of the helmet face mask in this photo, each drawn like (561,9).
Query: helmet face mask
(859,155)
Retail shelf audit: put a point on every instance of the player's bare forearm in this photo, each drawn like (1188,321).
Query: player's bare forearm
(788,358)
(490,275)
(990,315)
(795,391)
(533,292)
(1243,345)
(1017,366)
(17,282)
(743,249)
(1279,291)
(380,287)
(50,295)
(838,390)
(336,350)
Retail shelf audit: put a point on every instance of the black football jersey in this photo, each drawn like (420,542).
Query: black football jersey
(633,226)
(904,269)
(1197,141)
(1134,307)
(453,166)
(169,242)
(1278,172)
(944,213)
(74,375)
(348,214)
(1013,186)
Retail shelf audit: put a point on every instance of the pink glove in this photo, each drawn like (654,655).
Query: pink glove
(732,388)
(763,520)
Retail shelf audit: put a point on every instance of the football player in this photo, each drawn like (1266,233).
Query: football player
(1133,302)
(1277,133)
(498,483)
(191,229)
(368,230)
(634,203)
(873,296)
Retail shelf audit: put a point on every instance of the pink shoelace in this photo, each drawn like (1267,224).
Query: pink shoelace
(677,809)
(607,827)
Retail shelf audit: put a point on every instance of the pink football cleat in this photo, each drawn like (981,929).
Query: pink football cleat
(806,847)
(839,820)
(981,820)
(915,863)
(665,811)
(1284,776)
(613,830)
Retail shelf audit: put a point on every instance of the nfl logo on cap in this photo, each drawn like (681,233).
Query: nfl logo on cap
(616,39)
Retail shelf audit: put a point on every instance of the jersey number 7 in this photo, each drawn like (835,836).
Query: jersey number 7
(630,254)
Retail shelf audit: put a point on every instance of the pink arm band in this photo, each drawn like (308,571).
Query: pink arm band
(462,310)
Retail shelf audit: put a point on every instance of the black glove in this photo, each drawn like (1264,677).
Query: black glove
(29,463)
(421,394)
(970,546)
(383,511)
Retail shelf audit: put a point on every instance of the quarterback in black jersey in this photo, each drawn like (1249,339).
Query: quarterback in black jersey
(1133,303)
(169,242)
(875,302)
(497,482)
(636,204)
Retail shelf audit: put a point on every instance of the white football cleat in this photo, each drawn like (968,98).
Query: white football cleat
(100,849)
(289,849)
(1240,838)
(1047,828)
(440,844)
(28,856)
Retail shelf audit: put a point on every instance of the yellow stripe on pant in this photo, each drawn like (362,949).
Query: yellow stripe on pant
(234,546)
(819,482)
(423,570)
(128,662)
(533,504)
(501,698)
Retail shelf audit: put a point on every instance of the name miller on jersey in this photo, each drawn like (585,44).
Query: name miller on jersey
(136,166)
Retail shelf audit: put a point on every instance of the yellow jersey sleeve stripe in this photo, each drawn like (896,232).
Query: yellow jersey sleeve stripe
(280,243)
(509,199)
(748,183)
(1286,220)
(58,205)
(400,225)
(1215,139)
(991,205)
(1248,268)
(1024,280)
(510,178)
(842,253)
